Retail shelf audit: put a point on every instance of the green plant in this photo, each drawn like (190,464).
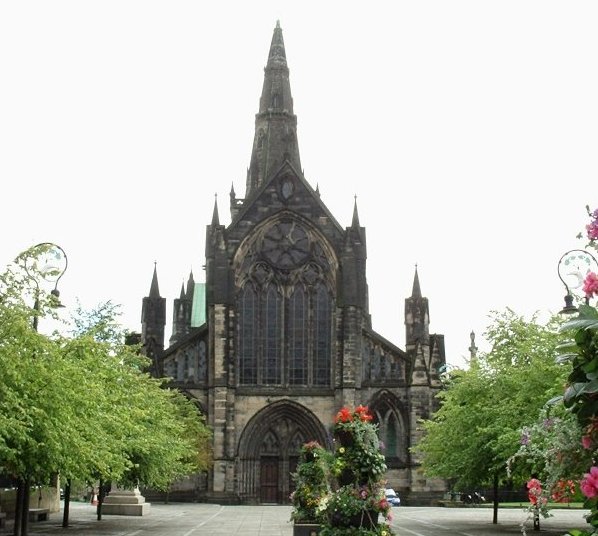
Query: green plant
(381,530)
(357,497)
(311,482)
(357,446)
(571,448)
(342,490)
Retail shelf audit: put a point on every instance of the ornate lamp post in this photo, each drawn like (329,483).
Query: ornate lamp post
(48,262)
(572,269)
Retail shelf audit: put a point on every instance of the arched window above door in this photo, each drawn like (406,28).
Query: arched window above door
(285,275)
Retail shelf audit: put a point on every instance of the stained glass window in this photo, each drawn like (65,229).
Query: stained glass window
(271,368)
(298,338)
(285,310)
(322,339)
(247,338)
(391,436)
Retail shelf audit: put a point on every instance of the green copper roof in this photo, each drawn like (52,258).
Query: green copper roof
(198,309)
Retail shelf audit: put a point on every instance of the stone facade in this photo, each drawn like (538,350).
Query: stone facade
(287,339)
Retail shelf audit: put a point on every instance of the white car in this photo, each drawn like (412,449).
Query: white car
(392,497)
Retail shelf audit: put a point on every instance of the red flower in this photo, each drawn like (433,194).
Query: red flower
(534,487)
(344,415)
(363,413)
(563,490)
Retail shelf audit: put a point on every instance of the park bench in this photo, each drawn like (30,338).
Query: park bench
(38,514)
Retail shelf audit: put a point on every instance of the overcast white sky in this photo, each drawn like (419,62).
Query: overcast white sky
(467,129)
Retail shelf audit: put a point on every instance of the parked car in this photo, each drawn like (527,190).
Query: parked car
(392,497)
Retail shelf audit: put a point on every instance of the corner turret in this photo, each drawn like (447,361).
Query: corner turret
(181,312)
(153,321)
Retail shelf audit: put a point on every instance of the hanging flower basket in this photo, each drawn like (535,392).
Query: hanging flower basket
(368,519)
(351,498)
(346,477)
(344,437)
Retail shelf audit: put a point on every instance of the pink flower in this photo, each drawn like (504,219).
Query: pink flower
(586,441)
(592,227)
(590,285)
(589,484)
(534,487)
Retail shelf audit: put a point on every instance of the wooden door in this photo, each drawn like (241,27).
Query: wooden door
(269,479)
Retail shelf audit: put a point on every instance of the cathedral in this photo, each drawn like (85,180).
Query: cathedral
(279,337)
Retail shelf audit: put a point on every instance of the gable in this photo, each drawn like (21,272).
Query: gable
(288,190)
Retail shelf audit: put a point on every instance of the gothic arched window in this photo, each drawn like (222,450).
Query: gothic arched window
(390,437)
(322,335)
(298,338)
(247,339)
(391,429)
(285,274)
(272,350)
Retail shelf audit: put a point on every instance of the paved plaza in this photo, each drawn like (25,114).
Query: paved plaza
(191,519)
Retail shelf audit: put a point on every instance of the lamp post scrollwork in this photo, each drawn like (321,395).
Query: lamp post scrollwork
(573,267)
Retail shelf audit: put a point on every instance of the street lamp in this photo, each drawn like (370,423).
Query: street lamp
(572,269)
(47,261)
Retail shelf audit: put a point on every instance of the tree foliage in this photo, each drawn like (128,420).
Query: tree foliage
(477,428)
(84,406)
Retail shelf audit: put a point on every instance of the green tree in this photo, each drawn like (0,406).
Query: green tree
(477,428)
(84,407)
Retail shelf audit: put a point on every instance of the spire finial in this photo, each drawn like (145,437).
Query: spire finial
(190,286)
(154,288)
(215,218)
(277,55)
(355,222)
(416,292)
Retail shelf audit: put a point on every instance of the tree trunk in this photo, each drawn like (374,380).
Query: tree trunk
(495,504)
(18,507)
(67,501)
(100,500)
(25,511)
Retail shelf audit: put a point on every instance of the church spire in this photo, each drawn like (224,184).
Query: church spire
(154,289)
(416,292)
(215,217)
(355,222)
(153,320)
(275,139)
(190,287)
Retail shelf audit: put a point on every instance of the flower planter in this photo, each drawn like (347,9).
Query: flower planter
(345,438)
(346,477)
(368,519)
(306,529)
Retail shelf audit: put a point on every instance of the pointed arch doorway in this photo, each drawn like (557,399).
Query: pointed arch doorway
(269,449)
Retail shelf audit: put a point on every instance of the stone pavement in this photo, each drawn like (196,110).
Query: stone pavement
(192,519)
